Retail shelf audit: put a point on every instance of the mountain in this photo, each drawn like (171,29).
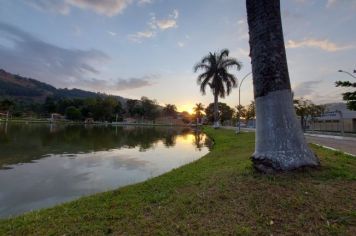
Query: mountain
(27,89)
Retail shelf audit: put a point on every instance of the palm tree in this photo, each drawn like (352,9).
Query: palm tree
(198,109)
(216,74)
(280,143)
(170,110)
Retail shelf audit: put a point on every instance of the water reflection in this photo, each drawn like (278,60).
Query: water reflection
(43,165)
(24,143)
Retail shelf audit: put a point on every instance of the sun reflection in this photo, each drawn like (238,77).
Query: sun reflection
(186,139)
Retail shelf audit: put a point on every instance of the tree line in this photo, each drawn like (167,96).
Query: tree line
(110,109)
(107,108)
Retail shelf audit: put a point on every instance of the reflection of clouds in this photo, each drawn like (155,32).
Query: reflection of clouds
(115,159)
(59,178)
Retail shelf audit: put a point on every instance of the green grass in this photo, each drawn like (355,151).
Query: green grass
(218,194)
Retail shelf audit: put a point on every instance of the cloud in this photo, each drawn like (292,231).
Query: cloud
(324,44)
(334,3)
(144,2)
(119,84)
(30,56)
(180,44)
(154,26)
(330,3)
(242,30)
(107,7)
(133,83)
(164,24)
(58,6)
(306,89)
(175,14)
(139,36)
(318,91)
(112,33)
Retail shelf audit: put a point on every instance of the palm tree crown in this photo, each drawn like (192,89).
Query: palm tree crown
(198,109)
(216,75)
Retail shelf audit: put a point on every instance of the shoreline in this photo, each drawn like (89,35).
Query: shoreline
(95,123)
(218,193)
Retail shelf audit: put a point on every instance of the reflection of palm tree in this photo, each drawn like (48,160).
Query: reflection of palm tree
(198,109)
(198,140)
(170,140)
(216,75)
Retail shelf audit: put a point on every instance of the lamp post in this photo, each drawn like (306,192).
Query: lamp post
(239,123)
(342,71)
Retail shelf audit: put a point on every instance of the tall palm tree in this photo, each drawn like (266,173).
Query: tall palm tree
(216,74)
(198,109)
(280,143)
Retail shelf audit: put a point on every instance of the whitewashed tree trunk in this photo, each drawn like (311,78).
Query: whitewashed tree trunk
(280,142)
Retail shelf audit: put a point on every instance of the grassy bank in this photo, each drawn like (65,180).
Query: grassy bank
(219,193)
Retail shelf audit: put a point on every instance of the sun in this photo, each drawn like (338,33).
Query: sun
(186,107)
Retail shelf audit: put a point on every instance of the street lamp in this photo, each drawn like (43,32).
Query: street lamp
(342,71)
(239,123)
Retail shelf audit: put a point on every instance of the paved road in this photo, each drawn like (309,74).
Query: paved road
(344,144)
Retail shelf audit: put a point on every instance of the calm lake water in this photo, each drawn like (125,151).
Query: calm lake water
(43,165)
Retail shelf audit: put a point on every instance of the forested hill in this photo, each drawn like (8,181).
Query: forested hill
(27,89)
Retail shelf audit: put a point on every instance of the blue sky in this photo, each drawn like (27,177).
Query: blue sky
(137,48)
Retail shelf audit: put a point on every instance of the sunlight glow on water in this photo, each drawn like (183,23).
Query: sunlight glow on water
(40,167)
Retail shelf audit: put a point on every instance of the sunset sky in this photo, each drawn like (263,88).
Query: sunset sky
(135,48)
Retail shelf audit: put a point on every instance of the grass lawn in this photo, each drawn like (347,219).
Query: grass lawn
(218,194)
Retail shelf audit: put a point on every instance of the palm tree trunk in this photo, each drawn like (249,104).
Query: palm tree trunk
(280,142)
(216,109)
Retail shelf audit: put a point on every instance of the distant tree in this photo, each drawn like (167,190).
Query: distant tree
(198,110)
(216,74)
(119,111)
(6,105)
(349,97)
(225,112)
(50,105)
(186,117)
(170,110)
(150,108)
(306,108)
(73,113)
(62,105)
(251,111)
(131,106)
(240,111)
(108,105)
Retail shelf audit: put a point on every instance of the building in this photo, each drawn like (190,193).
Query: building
(56,117)
(89,121)
(337,118)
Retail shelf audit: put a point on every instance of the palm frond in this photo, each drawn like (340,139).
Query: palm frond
(208,58)
(200,66)
(203,85)
(223,54)
(202,77)
(216,74)
(230,63)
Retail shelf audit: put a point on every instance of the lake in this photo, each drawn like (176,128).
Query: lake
(42,165)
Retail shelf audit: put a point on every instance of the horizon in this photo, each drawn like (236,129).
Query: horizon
(149,47)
